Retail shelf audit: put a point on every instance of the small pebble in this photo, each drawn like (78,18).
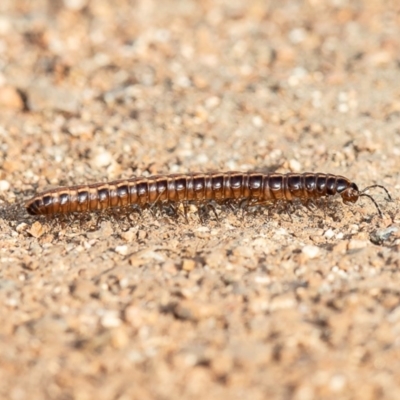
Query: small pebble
(311,251)
(212,102)
(31,264)
(357,244)
(5,27)
(329,234)
(22,227)
(4,185)
(257,121)
(103,159)
(83,289)
(123,250)
(188,264)
(36,230)
(295,166)
(341,247)
(215,259)
(10,98)
(142,234)
(128,236)
(78,128)
(262,280)
(243,251)
(110,319)
(222,364)
(75,5)
(337,383)
(119,338)
(381,235)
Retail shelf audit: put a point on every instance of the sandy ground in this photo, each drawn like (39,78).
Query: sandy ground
(264,305)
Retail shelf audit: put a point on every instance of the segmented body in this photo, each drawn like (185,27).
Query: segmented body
(257,187)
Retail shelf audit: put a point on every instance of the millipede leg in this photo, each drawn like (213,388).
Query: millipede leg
(288,206)
(136,208)
(160,207)
(98,221)
(113,214)
(201,212)
(262,203)
(214,211)
(204,210)
(244,206)
(229,203)
(185,211)
(70,220)
(153,210)
(307,203)
(153,206)
(81,219)
(326,206)
(170,209)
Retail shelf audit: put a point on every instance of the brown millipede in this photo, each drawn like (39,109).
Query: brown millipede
(255,188)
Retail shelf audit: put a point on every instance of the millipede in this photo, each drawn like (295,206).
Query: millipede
(245,187)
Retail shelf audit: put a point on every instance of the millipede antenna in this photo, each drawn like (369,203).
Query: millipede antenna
(389,197)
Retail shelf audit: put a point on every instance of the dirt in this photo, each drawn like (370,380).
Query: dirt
(270,304)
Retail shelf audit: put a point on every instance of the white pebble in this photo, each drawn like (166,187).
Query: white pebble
(202,229)
(110,319)
(202,158)
(103,159)
(357,244)
(4,186)
(257,121)
(123,250)
(262,280)
(5,26)
(281,232)
(297,35)
(22,227)
(75,5)
(212,102)
(354,228)
(311,251)
(337,383)
(329,234)
(294,165)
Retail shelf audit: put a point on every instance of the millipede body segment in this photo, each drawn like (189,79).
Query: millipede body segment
(257,188)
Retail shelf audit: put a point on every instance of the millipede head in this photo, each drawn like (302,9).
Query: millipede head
(351,194)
